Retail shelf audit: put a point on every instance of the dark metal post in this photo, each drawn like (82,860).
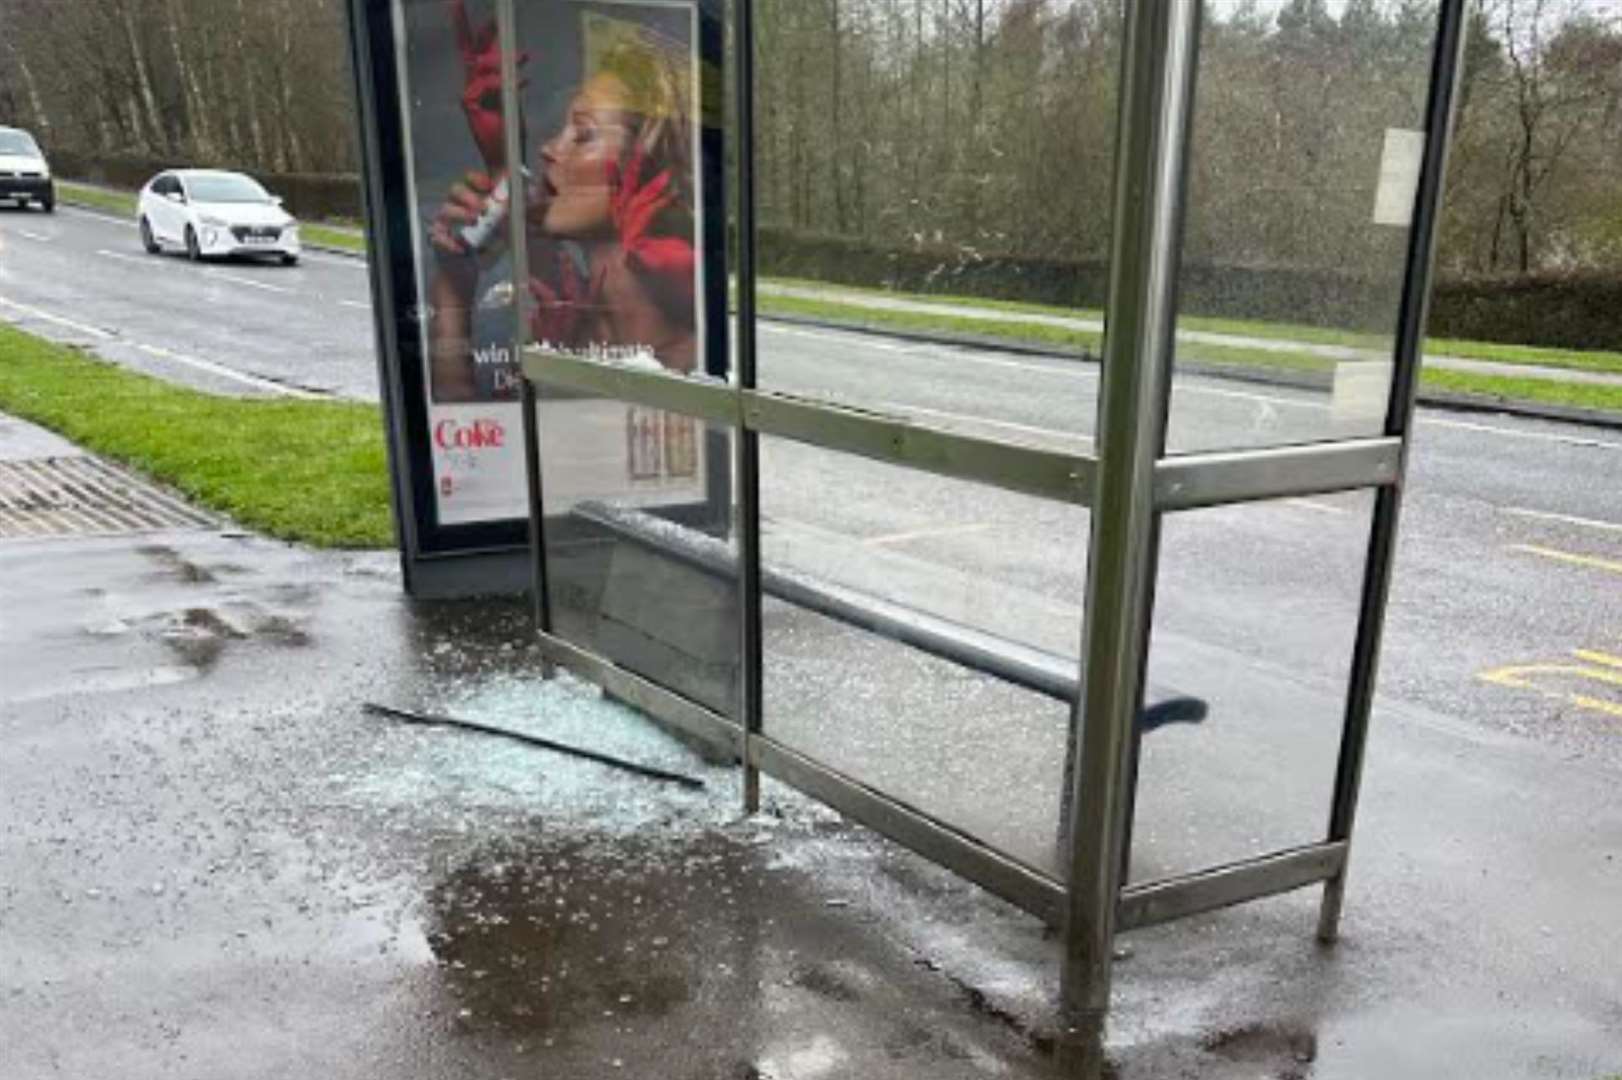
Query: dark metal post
(1445,68)
(752,661)
(370,117)
(1157,91)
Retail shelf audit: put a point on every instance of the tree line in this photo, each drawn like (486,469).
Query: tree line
(976,127)
(256,84)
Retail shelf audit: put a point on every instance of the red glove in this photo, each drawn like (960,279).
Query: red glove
(481,85)
(560,313)
(664,263)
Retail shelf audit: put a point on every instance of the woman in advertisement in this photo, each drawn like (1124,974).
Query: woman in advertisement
(609,205)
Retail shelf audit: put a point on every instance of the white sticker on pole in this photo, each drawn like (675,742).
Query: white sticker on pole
(1399,176)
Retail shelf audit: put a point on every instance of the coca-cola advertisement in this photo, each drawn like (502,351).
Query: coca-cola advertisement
(609,185)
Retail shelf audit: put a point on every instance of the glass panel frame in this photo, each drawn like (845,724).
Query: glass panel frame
(1128,482)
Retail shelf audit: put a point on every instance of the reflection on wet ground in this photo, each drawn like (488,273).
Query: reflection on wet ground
(543,939)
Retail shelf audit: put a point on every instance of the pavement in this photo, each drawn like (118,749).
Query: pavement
(214,863)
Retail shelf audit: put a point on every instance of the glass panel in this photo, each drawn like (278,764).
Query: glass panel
(1306,144)
(1255,614)
(961,565)
(640,547)
(918,163)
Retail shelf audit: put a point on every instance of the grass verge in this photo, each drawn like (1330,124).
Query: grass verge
(328,236)
(1529,355)
(310,471)
(114,202)
(1509,388)
(1542,391)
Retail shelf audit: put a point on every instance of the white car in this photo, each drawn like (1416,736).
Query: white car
(24,172)
(209,213)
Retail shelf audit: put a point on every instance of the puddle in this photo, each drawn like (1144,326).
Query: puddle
(553,937)
(174,565)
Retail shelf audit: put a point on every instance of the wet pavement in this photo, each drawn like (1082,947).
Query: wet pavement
(214,863)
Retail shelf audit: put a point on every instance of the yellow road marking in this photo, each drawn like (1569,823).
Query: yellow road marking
(1608,707)
(1565,556)
(1517,675)
(1608,670)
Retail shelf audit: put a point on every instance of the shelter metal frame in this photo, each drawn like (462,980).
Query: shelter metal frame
(1128,483)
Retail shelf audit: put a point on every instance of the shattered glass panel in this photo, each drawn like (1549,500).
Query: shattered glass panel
(858,554)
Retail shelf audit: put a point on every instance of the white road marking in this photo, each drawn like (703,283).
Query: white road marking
(1063,368)
(41,237)
(1544,436)
(99,215)
(217,274)
(356,304)
(228,373)
(924,534)
(144,260)
(1565,519)
(842,339)
(166,354)
(1321,507)
(249,282)
(1029,429)
(83,328)
(1070,371)
(1246,395)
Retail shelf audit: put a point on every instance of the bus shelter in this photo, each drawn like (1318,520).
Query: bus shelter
(715,508)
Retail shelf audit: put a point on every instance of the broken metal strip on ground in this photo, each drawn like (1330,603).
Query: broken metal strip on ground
(607,760)
(81,495)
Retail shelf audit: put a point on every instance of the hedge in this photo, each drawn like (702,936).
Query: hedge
(307,195)
(1568,311)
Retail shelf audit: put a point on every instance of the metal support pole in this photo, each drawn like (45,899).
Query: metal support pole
(518,247)
(1446,65)
(751,660)
(1157,92)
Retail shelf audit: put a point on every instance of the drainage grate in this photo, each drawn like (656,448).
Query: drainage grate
(85,496)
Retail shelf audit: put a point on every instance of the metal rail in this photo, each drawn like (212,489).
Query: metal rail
(1050,674)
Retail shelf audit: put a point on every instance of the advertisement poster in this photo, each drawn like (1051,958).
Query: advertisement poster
(611,189)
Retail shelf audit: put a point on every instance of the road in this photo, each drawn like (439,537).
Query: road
(1506,614)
